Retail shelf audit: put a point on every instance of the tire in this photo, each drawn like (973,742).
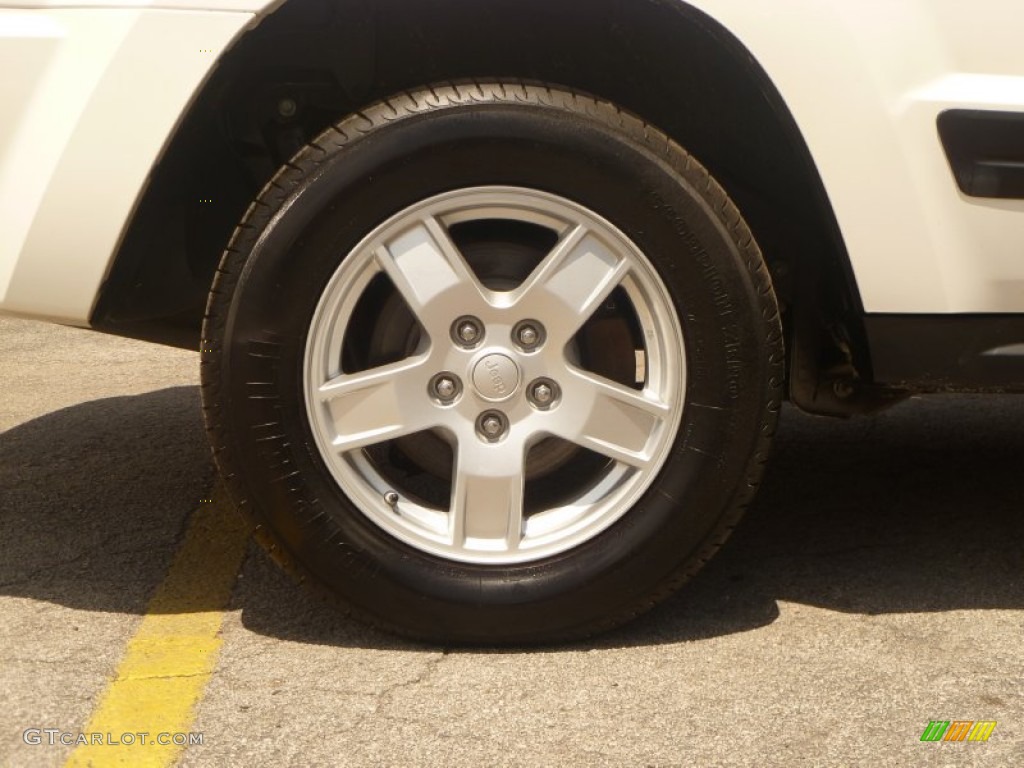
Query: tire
(403,328)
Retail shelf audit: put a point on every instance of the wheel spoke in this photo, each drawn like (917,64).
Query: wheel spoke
(379,404)
(609,418)
(487,495)
(571,282)
(430,273)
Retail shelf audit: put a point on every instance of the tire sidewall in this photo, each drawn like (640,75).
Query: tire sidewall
(323,210)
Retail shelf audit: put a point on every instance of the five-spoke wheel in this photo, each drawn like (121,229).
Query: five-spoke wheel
(492,363)
(496,371)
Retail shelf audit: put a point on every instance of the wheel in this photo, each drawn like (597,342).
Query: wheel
(492,363)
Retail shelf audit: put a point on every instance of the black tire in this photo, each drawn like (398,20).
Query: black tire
(388,157)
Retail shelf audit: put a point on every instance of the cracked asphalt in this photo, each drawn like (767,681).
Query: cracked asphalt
(877,584)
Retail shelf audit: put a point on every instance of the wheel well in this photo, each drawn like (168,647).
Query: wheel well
(312,61)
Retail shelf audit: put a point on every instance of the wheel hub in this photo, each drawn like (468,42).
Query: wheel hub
(496,377)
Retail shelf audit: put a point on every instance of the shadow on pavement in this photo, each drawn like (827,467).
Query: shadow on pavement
(94,498)
(919,509)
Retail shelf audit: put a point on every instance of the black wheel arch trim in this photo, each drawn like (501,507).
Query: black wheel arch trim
(133,299)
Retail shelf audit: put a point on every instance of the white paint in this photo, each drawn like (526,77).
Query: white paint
(866,81)
(250,6)
(82,124)
(96,96)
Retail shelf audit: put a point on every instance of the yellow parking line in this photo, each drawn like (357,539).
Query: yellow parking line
(172,655)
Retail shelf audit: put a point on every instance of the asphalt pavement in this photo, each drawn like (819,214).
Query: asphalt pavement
(876,585)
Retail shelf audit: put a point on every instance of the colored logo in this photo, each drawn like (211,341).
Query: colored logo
(958,730)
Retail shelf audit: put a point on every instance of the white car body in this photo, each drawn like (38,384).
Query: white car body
(865,90)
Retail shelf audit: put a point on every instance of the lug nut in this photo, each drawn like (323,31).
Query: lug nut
(445,387)
(528,334)
(492,425)
(543,393)
(467,331)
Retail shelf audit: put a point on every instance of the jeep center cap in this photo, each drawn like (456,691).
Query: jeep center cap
(495,377)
